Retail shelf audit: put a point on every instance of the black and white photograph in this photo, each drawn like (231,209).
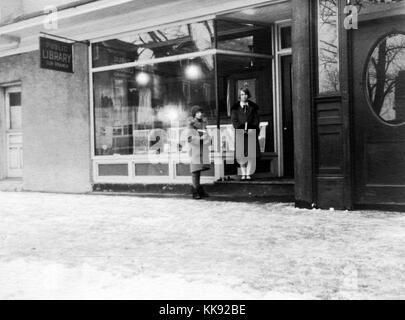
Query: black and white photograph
(200,150)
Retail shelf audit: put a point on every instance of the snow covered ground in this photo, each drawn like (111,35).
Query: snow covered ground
(55,246)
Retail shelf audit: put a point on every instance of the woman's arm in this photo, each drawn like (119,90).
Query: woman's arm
(256,119)
(193,137)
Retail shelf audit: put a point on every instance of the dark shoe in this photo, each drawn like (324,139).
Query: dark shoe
(202,192)
(195,193)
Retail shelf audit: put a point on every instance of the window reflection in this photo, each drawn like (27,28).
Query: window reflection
(164,42)
(328,52)
(243,37)
(129,103)
(144,110)
(386,79)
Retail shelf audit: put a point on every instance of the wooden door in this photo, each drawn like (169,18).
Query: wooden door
(14,134)
(378,106)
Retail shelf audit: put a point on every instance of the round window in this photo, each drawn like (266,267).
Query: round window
(385,79)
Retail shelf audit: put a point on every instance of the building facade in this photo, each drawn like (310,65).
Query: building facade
(327,75)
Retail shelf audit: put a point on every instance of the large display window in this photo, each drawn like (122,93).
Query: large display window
(145,84)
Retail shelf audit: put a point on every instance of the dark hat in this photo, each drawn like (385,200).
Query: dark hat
(195,109)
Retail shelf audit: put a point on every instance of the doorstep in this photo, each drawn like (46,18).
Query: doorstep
(277,190)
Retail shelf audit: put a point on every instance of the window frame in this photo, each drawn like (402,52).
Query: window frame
(365,76)
(318,93)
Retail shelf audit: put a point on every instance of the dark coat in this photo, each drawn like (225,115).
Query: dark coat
(198,146)
(239,117)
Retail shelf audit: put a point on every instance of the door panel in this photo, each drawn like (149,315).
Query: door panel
(379,137)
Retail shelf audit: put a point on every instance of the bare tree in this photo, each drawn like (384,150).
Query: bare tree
(383,70)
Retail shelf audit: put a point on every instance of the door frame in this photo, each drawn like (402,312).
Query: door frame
(277,92)
(8,132)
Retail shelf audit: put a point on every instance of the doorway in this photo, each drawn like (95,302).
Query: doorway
(14,135)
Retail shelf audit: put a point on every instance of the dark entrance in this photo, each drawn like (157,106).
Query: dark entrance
(378,104)
(288,134)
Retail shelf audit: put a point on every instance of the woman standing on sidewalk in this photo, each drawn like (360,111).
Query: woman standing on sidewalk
(199,141)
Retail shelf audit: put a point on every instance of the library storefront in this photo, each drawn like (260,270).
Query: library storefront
(330,97)
(145,84)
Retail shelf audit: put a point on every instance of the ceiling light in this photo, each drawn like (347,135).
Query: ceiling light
(142,78)
(193,72)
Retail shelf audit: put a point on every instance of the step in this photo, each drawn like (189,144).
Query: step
(269,191)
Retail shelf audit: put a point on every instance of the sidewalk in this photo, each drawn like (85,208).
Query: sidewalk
(56,246)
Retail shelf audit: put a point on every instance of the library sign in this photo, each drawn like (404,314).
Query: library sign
(56,55)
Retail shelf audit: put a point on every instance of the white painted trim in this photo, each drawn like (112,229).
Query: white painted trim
(244,54)
(281,24)
(155,61)
(179,57)
(152,180)
(132,178)
(9,46)
(276,105)
(279,103)
(6,85)
(19,50)
(93,169)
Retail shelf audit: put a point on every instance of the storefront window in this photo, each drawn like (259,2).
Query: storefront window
(385,79)
(328,47)
(143,110)
(160,43)
(132,105)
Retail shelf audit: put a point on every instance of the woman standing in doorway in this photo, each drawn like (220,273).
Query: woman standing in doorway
(199,141)
(245,116)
